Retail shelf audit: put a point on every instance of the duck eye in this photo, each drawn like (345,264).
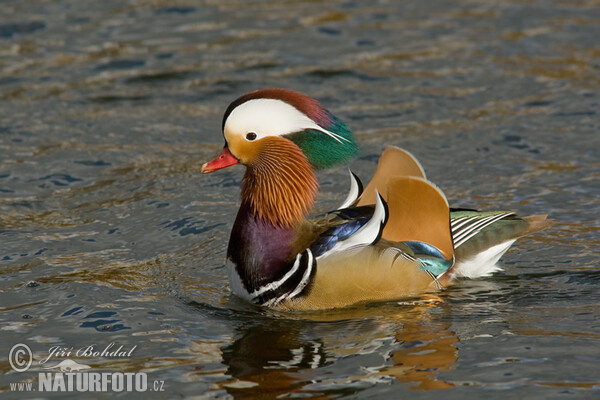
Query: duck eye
(250,136)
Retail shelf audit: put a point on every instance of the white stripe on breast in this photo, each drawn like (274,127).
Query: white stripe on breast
(276,284)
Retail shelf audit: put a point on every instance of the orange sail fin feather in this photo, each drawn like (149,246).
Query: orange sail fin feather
(418,211)
(393,162)
(396,239)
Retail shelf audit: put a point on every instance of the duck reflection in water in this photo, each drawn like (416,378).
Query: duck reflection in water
(275,357)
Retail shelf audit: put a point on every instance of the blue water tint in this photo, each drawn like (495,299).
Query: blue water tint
(365,42)
(539,103)
(225,182)
(78,20)
(188,226)
(121,64)
(101,314)
(574,114)
(159,77)
(175,10)
(20,28)
(176,225)
(7,81)
(329,31)
(158,204)
(103,325)
(98,163)
(73,311)
(59,179)
(116,99)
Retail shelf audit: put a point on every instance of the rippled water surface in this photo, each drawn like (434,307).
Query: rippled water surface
(109,234)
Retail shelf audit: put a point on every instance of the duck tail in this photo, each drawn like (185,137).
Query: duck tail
(477,255)
(537,223)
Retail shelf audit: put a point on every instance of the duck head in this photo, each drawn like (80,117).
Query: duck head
(282,137)
(280,113)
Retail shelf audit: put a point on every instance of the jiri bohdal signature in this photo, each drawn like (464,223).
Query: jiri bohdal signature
(91,351)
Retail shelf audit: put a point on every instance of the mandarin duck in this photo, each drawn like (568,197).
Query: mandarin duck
(395,239)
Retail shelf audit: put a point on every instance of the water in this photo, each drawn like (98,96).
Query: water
(109,234)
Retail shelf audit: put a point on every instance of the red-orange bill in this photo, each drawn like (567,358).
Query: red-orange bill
(224,159)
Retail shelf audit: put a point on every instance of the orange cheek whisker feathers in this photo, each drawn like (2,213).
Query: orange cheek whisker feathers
(280,184)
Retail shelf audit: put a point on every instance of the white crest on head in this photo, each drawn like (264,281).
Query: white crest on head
(270,117)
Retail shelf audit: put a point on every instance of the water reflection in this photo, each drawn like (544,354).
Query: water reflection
(434,351)
(264,357)
(273,357)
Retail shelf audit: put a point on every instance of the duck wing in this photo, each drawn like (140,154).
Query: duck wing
(389,251)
